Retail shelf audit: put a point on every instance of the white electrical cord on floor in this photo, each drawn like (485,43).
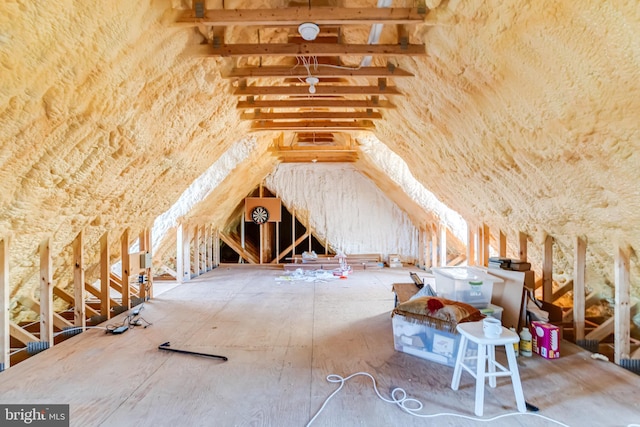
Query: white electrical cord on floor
(412,406)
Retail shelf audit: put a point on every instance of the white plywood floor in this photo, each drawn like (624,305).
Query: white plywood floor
(282,340)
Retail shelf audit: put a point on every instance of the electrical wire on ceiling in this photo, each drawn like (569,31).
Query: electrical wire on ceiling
(374,38)
(311,80)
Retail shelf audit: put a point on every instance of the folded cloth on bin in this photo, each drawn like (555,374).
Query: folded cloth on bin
(440,313)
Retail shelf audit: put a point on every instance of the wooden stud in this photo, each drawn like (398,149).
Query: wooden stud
(547,269)
(443,244)
(579,269)
(203,249)
(186,254)
(105,270)
(143,246)
(79,311)
(124,259)
(46,292)
(216,251)
(471,246)
(261,243)
(486,244)
(196,250)
(149,287)
(179,254)
(503,244)
(278,242)
(622,312)
(207,247)
(434,246)
(293,232)
(420,249)
(427,247)
(5,319)
(242,231)
(522,246)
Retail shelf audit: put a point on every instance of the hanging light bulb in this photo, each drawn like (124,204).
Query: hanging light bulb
(312,89)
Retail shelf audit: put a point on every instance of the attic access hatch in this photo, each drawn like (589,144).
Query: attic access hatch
(298,75)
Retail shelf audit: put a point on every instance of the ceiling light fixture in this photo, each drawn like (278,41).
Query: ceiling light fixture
(312,82)
(308,30)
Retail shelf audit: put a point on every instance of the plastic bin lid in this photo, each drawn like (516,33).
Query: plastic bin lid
(466,273)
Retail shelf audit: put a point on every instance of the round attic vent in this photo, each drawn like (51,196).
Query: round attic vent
(308,30)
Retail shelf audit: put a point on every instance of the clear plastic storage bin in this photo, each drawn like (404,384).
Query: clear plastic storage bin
(418,339)
(466,284)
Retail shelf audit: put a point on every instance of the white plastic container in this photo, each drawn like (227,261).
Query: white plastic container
(493,311)
(418,339)
(470,285)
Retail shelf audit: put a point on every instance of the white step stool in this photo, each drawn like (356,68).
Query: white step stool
(472,331)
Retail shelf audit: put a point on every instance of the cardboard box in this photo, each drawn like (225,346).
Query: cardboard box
(418,339)
(545,339)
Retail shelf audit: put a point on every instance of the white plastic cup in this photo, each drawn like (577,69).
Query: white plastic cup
(492,327)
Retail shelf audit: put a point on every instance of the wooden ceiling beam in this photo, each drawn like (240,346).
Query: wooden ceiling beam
(320,72)
(312,134)
(316,125)
(302,157)
(314,102)
(317,148)
(318,140)
(312,115)
(305,49)
(297,15)
(320,90)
